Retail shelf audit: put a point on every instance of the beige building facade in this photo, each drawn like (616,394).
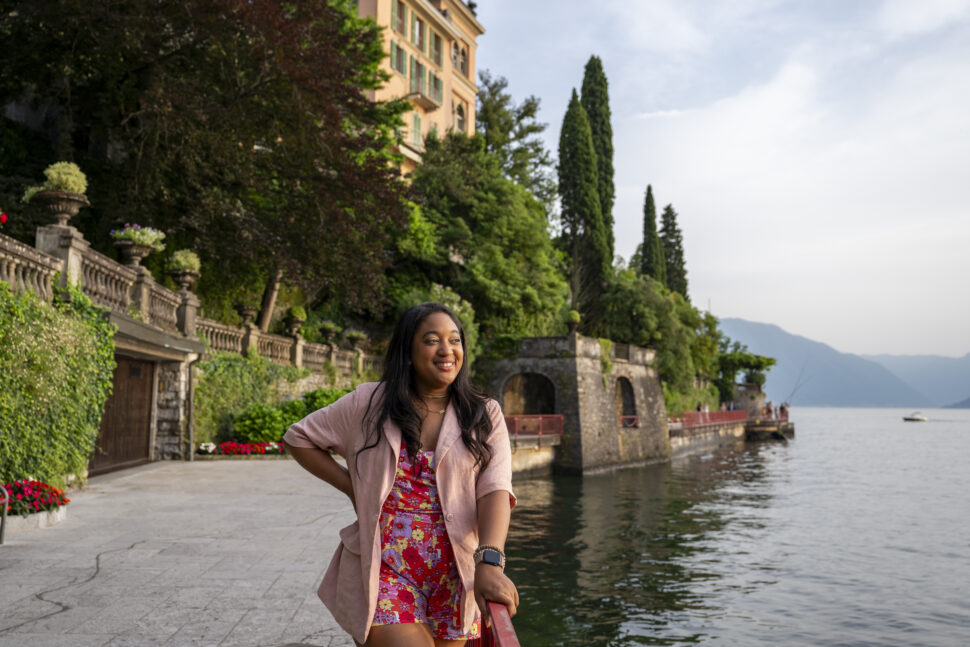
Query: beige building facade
(431,46)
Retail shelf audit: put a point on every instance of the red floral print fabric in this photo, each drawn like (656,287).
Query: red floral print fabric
(418,578)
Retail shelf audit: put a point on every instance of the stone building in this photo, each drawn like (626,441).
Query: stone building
(431,46)
(609,396)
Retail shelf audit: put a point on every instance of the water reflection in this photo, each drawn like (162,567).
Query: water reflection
(631,557)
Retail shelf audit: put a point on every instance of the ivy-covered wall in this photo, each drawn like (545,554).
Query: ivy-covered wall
(56,366)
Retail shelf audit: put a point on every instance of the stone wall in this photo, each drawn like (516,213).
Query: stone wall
(585,394)
(171,411)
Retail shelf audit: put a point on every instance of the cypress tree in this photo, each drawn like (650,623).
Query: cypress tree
(596,102)
(673,249)
(652,262)
(582,223)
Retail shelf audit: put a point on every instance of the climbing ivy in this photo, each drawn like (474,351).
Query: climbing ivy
(57,363)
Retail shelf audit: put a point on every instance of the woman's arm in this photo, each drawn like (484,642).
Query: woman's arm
(491,583)
(322,465)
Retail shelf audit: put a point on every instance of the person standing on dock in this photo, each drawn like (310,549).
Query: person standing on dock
(429,474)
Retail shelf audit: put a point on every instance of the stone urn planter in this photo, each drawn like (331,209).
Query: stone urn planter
(356,340)
(293,325)
(63,205)
(248,312)
(185,279)
(132,253)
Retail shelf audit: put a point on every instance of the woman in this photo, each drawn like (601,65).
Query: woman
(429,475)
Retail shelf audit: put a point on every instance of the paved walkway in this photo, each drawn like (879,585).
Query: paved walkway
(202,553)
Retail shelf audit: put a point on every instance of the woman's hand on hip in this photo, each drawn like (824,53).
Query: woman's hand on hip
(492,584)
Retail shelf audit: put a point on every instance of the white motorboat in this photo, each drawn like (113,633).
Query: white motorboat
(916,416)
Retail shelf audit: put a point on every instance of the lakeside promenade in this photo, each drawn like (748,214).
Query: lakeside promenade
(223,552)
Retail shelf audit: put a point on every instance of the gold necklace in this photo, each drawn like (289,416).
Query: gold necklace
(435,397)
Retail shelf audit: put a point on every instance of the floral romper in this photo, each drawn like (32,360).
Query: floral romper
(419,579)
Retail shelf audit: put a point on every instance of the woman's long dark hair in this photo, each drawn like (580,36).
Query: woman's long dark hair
(397,391)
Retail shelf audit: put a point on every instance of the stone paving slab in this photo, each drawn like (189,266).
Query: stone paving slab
(225,553)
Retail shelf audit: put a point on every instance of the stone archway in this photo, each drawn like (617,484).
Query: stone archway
(529,394)
(626,403)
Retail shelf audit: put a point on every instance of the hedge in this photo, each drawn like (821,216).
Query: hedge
(229,383)
(57,364)
(261,423)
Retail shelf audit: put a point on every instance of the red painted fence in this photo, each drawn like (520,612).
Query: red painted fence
(534,425)
(701,418)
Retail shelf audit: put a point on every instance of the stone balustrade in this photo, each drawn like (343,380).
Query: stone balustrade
(24,268)
(316,356)
(107,282)
(163,307)
(132,292)
(221,337)
(276,348)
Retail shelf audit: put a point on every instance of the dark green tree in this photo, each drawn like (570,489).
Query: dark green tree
(485,237)
(242,128)
(673,251)
(596,102)
(652,262)
(513,135)
(583,230)
(734,357)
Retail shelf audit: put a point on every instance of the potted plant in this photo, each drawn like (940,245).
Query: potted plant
(328,330)
(573,321)
(62,193)
(294,319)
(247,310)
(183,267)
(135,242)
(356,338)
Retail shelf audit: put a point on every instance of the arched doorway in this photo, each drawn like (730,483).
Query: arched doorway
(528,394)
(626,403)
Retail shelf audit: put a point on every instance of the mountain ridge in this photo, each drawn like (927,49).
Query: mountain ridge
(811,373)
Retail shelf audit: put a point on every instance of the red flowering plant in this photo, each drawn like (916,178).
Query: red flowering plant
(3,219)
(232,448)
(28,497)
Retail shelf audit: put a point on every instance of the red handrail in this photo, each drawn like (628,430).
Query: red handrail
(701,418)
(535,425)
(501,633)
(629,421)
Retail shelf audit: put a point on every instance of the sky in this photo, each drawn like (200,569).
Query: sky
(817,152)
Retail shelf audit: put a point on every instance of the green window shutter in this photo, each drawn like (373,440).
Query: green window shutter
(394,14)
(393,55)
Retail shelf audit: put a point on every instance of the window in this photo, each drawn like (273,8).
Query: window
(437,45)
(463,62)
(399,59)
(460,121)
(417,33)
(435,87)
(455,54)
(417,76)
(416,130)
(399,16)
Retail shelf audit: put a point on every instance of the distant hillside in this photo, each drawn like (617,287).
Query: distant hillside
(818,374)
(964,404)
(944,380)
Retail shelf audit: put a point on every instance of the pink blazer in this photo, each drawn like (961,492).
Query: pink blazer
(349,589)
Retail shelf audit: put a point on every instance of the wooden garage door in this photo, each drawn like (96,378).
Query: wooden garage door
(126,425)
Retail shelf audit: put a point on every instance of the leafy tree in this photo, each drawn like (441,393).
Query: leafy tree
(240,127)
(583,230)
(513,135)
(485,237)
(596,102)
(673,251)
(733,358)
(652,262)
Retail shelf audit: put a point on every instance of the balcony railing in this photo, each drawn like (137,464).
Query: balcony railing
(421,95)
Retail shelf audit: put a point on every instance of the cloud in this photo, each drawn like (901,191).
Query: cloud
(900,18)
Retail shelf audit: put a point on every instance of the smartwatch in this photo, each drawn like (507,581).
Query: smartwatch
(492,557)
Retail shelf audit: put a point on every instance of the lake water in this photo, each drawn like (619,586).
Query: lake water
(857,532)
